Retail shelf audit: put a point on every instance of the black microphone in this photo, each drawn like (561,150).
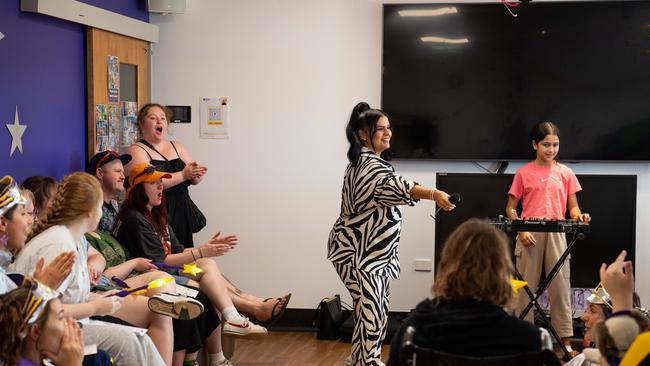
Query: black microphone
(454,199)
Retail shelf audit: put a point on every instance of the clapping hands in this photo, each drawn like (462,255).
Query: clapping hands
(194,171)
(218,245)
(56,271)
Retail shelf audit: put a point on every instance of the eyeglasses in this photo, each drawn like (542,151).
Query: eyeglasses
(105,157)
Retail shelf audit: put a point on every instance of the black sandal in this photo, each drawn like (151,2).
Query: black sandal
(275,316)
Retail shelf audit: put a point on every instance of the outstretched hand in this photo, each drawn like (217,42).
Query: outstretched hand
(228,239)
(442,200)
(219,245)
(56,271)
(618,280)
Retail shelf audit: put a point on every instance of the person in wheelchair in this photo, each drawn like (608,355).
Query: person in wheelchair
(471,290)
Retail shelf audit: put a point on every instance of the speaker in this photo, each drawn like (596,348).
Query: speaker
(166,6)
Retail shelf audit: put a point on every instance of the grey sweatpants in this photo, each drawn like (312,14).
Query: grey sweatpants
(122,344)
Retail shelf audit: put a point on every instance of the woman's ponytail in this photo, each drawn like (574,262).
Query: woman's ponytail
(362,118)
(351,131)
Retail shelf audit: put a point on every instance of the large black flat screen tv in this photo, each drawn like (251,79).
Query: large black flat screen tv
(468,81)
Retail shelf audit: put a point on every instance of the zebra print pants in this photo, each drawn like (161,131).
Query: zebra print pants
(370,296)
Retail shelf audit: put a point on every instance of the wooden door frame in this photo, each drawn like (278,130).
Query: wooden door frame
(97,73)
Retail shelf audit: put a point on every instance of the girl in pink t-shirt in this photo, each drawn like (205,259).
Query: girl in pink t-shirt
(545,188)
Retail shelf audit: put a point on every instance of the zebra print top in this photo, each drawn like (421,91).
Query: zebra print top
(366,234)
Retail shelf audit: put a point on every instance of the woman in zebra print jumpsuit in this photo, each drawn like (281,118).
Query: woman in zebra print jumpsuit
(363,245)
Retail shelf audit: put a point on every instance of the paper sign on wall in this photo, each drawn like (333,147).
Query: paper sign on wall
(113,79)
(129,126)
(113,127)
(215,118)
(101,128)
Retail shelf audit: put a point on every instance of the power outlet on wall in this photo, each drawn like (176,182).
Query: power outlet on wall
(423,264)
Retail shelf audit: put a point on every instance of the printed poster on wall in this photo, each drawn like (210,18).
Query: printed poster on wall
(114,127)
(129,124)
(113,79)
(101,128)
(215,118)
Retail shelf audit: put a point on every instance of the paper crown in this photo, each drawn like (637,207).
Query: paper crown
(9,194)
(600,296)
(37,299)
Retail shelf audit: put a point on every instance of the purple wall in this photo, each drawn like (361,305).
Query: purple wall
(131,8)
(42,71)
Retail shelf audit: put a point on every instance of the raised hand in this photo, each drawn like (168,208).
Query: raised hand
(618,280)
(56,271)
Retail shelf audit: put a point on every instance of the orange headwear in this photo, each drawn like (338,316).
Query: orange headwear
(145,172)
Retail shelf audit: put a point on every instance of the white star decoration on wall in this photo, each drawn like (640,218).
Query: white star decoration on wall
(2,35)
(16,130)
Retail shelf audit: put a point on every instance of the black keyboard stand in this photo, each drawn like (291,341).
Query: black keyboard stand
(542,287)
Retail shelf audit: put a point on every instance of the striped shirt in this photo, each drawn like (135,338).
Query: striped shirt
(366,234)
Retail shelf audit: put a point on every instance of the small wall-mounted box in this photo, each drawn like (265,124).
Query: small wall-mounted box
(166,6)
(180,113)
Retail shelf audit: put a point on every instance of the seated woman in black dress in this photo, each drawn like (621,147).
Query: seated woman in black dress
(471,289)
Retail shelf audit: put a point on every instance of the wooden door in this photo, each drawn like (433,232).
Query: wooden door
(132,56)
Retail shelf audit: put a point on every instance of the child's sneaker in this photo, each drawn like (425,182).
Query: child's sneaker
(175,306)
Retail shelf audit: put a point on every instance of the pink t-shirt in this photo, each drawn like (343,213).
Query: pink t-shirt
(543,190)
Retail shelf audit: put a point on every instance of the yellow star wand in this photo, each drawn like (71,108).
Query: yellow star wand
(190,269)
(142,289)
(517,285)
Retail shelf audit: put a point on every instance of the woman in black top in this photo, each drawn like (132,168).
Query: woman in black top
(142,227)
(172,157)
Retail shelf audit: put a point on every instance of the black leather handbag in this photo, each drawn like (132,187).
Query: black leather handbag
(329,317)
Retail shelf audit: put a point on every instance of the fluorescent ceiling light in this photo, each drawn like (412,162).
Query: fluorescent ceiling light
(428,12)
(434,39)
